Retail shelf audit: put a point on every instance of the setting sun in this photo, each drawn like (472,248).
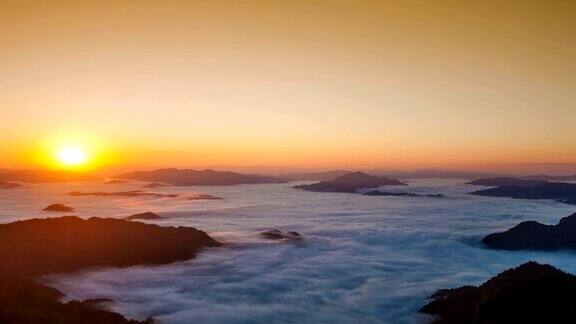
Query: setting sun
(71,156)
(72,149)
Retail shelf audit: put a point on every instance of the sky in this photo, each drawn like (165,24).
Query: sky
(390,84)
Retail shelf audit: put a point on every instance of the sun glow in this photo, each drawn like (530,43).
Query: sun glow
(71,156)
(72,150)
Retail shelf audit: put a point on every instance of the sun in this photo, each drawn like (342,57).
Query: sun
(71,156)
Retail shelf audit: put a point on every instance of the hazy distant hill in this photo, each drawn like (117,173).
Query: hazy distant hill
(551,177)
(397,174)
(350,182)
(44,176)
(320,176)
(561,191)
(433,173)
(506,181)
(189,177)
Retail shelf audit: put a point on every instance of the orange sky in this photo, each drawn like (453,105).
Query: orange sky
(294,83)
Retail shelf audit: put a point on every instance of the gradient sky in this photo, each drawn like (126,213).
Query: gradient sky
(294,83)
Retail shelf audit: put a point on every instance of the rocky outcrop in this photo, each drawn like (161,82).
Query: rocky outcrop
(506,181)
(350,183)
(138,193)
(202,197)
(532,235)
(436,195)
(276,234)
(155,185)
(116,181)
(132,193)
(390,194)
(566,201)
(144,216)
(58,208)
(400,194)
(530,293)
(188,177)
(559,191)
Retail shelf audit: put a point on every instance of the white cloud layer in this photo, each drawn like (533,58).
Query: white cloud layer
(364,260)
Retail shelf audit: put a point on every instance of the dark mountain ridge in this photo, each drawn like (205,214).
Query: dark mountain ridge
(35,247)
(531,235)
(529,293)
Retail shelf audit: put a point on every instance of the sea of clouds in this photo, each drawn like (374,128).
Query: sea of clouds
(364,260)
